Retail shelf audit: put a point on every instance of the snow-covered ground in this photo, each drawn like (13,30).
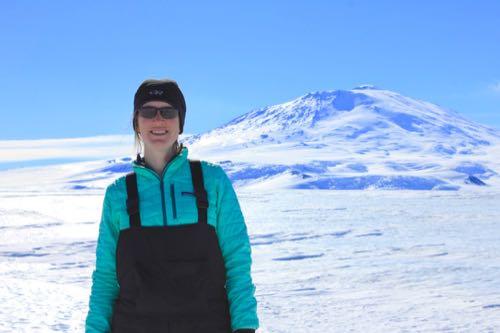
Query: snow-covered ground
(324,261)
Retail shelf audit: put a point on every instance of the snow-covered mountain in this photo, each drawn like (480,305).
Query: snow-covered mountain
(364,138)
(355,139)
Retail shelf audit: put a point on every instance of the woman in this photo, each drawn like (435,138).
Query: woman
(173,253)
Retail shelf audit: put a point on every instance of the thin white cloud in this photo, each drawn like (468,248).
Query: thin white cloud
(105,146)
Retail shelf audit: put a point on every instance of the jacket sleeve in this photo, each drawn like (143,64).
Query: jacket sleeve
(235,247)
(104,283)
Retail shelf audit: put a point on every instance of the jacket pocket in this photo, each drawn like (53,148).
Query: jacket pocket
(183,200)
(212,210)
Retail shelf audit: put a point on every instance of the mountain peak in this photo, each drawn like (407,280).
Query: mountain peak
(366,87)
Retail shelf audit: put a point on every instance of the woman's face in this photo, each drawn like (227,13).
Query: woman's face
(158,123)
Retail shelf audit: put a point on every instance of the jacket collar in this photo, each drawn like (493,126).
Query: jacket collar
(141,168)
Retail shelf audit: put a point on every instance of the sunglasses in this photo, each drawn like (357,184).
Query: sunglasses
(149,112)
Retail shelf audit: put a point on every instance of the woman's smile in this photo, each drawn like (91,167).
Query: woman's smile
(158,132)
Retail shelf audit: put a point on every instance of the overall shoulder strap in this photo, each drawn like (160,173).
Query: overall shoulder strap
(133,200)
(199,190)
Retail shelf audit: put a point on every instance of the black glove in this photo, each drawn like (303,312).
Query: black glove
(245,330)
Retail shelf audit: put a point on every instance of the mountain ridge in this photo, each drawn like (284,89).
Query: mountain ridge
(364,138)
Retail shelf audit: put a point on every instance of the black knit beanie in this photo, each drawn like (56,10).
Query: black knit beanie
(162,90)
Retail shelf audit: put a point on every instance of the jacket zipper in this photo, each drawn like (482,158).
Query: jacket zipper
(172,195)
(162,192)
(163,202)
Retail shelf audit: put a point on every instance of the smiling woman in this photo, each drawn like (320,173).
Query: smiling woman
(159,106)
(173,252)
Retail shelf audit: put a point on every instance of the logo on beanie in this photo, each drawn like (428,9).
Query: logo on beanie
(156,92)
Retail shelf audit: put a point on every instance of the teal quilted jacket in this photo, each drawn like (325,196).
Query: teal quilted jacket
(162,203)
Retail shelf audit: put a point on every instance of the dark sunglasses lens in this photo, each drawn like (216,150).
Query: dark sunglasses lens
(148,113)
(168,113)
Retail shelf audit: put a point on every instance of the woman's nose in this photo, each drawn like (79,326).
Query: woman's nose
(158,116)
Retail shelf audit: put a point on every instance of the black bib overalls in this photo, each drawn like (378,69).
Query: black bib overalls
(172,278)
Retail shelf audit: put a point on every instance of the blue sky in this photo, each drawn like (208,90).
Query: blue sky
(70,69)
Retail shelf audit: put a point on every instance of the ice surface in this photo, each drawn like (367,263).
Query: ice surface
(323,261)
